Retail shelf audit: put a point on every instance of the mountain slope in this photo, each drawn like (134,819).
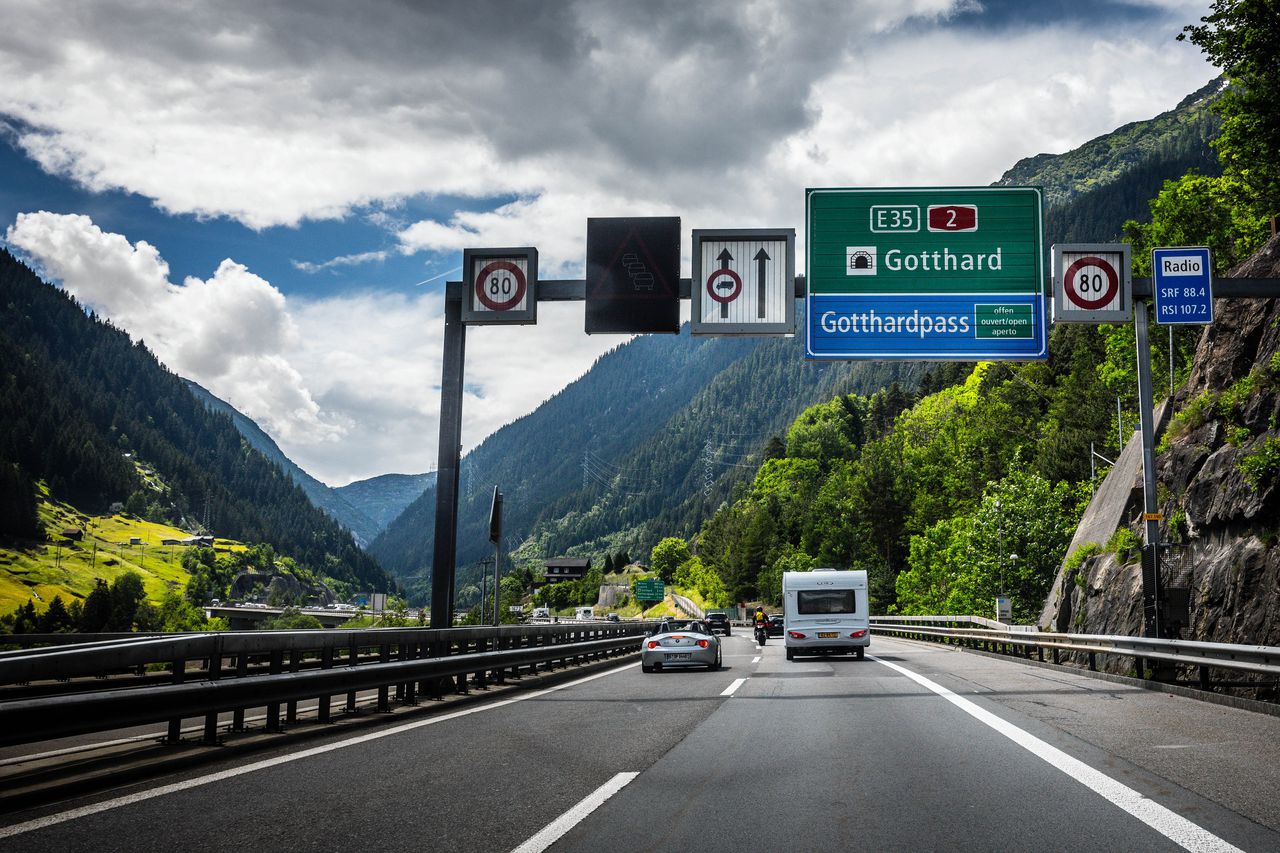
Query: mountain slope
(381,499)
(100,420)
(1090,191)
(326,498)
(621,455)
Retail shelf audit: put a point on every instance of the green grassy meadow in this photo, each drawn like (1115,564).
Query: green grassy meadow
(70,568)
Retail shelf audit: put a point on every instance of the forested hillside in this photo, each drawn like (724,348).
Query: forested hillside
(659,433)
(932,499)
(334,505)
(1133,160)
(100,420)
(623,450)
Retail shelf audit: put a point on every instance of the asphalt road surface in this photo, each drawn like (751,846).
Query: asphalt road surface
(917,748)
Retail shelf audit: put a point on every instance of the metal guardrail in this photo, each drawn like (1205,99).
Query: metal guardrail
(691,610)
(1258,660)
(300,665)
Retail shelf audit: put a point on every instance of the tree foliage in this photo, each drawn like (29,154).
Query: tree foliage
(1011,542)
(1242,37)
(667,556)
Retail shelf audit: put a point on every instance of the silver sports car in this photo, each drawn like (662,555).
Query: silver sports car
(680,642)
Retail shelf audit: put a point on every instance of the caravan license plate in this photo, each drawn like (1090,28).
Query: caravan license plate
(678,655)
(828,635)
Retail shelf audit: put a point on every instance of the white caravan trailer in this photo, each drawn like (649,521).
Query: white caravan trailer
(826,613)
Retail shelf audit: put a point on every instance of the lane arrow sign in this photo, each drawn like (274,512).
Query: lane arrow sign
(724,257)
(760,258)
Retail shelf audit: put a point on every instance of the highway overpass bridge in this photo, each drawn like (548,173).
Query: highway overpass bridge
(247,618)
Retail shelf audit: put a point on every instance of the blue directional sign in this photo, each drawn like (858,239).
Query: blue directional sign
(947,273)
(1183,282)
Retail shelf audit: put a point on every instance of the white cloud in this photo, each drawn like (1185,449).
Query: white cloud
(718,112)
(349,386)
(340,261)
(231,332)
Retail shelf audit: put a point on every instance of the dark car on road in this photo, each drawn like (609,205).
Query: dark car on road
(775,624)
(718,623)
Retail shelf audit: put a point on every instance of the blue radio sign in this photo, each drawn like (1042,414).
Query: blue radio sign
(1183,284)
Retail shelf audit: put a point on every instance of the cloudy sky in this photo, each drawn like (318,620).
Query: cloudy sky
(273,195)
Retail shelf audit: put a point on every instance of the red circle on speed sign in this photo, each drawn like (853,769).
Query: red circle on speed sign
(500,285)
(734,290)
(1090,292)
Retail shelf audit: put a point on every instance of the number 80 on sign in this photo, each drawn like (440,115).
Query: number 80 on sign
(501,286)
(1092,283)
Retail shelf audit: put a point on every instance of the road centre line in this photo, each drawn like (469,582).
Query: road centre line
(1168,823)
(756,659)
(552,832)
(729,691)
(140,796)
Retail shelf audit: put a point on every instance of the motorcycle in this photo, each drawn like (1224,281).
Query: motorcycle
(762,634)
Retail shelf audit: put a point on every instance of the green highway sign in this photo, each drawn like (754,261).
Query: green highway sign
(650,589)
(925,273)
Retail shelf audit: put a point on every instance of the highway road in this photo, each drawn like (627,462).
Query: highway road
(919,747)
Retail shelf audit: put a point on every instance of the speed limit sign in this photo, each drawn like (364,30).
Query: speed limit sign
(1092,283)
(501,286)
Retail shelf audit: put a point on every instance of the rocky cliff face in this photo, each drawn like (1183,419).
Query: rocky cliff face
(1219,487)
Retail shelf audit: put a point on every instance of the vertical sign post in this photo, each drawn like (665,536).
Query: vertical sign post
(1151,593)
(495,536)
(445,547)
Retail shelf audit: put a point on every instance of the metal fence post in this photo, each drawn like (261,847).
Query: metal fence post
(211,720)
(242,669)
(353,658)
(291,708)
(326,662)
(273,710)
(179,670)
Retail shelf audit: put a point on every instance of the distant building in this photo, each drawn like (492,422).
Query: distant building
(567,569)
(198,541)
(74,533)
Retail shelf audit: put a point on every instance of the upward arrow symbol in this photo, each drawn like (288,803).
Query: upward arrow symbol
(760,258)
(724,257)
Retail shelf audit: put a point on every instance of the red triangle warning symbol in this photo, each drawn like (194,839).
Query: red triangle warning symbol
(633,272)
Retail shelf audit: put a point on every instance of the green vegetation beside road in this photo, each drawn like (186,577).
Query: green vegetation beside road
(80,549)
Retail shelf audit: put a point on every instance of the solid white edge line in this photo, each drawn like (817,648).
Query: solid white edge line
(552,832)
(1168,823)
(737,682)
(140,796)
